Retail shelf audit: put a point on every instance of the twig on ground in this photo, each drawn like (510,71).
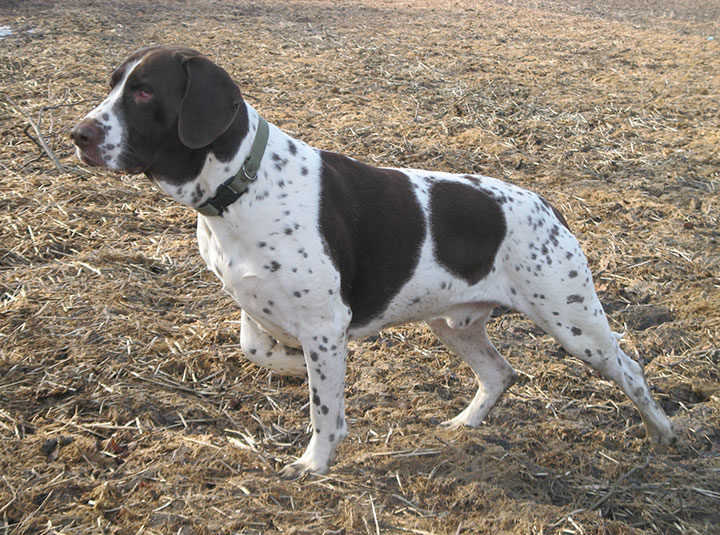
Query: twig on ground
(40,139)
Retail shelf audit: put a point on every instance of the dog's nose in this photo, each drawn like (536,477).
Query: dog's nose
(87,133)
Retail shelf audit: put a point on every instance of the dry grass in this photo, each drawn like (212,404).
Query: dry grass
(125,404)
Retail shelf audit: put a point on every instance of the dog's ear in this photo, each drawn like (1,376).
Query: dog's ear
(210,103)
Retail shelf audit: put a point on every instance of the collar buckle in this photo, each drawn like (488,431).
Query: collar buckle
(247,173)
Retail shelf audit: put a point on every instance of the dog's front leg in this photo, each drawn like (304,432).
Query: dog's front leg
(325,357)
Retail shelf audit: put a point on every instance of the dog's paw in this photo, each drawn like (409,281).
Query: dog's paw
(292,471)
(663,437)
(299,469)
(670,440)
(453,423)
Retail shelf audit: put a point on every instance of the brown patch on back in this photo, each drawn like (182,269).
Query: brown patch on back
(373,228)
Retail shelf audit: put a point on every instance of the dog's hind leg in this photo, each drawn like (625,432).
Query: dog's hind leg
(260,348)
(494,374)
(561,299)
(590,339)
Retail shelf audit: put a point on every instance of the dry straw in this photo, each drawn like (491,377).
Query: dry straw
(125,403)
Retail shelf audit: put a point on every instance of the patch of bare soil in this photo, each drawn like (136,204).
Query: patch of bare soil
(125,403)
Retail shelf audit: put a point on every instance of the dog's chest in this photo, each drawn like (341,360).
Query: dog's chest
(269,256)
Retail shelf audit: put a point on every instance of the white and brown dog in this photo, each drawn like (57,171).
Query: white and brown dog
(318,248)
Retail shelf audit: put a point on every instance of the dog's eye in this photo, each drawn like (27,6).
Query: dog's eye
(143,95)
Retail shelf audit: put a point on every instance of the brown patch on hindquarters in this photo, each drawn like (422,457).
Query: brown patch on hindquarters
(467,226)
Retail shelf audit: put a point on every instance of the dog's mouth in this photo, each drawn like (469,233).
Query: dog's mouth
(96,160)
(93,160)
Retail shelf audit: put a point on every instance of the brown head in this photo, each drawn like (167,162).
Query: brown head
(167,108)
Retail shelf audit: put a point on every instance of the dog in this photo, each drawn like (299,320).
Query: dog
(318,248)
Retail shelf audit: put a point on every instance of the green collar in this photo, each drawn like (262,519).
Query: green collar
(232,189)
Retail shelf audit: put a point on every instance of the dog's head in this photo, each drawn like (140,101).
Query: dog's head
(166,107)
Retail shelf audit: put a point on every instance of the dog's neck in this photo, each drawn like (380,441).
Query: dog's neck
(199,173)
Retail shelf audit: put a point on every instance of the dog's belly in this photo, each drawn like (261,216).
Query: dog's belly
(457,303)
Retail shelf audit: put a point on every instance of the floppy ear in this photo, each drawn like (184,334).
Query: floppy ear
(210,103)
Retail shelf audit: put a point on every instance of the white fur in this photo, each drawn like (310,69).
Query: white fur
(112,123)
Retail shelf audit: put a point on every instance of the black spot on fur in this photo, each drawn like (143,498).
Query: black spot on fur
(573,274)
(373,229)
(576,331)
(467,226)
(574,299)
(280,162)
(557,214)
(273,267)
(197,194)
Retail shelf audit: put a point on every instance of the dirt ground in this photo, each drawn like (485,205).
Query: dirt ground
(126,406)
